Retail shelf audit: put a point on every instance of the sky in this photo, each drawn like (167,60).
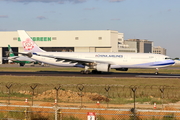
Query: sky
(154,20)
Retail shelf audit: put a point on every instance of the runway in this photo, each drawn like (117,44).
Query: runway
(78,74)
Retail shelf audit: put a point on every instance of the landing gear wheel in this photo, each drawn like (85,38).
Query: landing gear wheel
(82,71)
(94,71)
(156,73)
(85,72)
(21,64)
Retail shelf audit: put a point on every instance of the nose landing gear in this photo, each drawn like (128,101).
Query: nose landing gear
(157,71)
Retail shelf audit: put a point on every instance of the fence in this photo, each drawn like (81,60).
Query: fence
(74,101)
(16,112)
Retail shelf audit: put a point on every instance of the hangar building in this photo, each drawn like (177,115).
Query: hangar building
(70,41)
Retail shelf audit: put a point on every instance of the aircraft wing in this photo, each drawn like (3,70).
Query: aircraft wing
(9,58)
(74,60)
(14,57)
(4,58)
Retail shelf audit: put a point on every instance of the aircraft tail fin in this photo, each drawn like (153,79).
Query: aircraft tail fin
(28,44)
(11,54)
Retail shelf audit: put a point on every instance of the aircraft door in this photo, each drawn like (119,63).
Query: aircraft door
(125,59)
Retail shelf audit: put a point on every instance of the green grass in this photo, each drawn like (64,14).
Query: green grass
(90,80)
(36,69)
(14,94)
(167,70)
(144,85)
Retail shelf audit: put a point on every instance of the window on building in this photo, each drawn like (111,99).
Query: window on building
(58,49)
(15,38)
(53,38)
(76,38)
(147,48)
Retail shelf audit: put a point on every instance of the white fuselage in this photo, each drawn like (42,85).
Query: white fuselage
(116,60)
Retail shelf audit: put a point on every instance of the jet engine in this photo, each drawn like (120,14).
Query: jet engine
(103,67)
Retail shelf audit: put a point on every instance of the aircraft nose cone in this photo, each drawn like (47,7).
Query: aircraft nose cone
(177,62)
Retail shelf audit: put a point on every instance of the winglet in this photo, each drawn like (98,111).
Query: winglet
(28,44)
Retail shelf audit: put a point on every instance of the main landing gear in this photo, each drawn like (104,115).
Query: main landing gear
(85,71)
(89,72)
(21,64)
(157,71)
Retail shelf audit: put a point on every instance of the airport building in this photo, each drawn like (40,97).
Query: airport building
(136,46)
(70,41)
(159,50)
(128,46)
(142,46)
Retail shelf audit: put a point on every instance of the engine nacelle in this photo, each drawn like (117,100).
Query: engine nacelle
(103,67)
(122,69)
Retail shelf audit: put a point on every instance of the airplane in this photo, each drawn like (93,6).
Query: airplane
(22,60)
(98,62)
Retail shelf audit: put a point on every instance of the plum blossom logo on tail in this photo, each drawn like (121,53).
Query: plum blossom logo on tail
(28,44)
